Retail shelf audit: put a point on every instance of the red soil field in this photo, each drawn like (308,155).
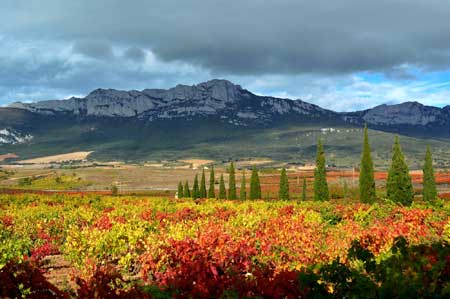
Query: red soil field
(7,156)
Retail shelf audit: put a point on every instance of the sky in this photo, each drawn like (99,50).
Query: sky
(343,55)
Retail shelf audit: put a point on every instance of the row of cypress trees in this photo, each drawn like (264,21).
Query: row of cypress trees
(199,191)
(399,186)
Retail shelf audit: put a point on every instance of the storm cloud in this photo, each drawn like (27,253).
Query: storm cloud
(246,39)
(251,36)
(94,49)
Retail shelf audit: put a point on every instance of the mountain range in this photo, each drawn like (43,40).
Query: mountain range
(214,119)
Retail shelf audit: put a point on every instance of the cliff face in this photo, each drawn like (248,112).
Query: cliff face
(408,113)
(213,98)
(217,119)
(230,103)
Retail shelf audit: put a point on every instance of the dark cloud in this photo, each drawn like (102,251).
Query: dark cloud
(39,72)
(251,36)
(135,54)
(93,49)
(341,54)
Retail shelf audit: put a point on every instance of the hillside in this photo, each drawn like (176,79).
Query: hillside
(214,119)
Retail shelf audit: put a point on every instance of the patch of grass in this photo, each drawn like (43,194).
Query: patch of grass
(3,175)
(52,182)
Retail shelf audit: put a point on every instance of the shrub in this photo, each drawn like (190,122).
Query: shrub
(22,279)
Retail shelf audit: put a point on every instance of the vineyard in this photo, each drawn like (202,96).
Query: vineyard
(148,247)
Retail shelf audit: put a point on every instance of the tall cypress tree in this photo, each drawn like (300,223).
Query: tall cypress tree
(203,185)
(180,190)
(429,184)
(398,185)
(195,189)
(283,193)
(304,189)
(366,178)
(243,191)
(186,191)
(222,191)
(255,186)
(212,181)
(345,189)
(320,175)
(232,183)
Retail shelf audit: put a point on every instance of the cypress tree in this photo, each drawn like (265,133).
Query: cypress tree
(429,183)
(195,189)
(304,189)
(345,189)
(212,180)
(398,185)
(283,193)
(114,190)
(232,183)
(320,175)
(243,195)
(366,178)
(203,185)
(186,191)
(222,191)
(180,190)
(255,187)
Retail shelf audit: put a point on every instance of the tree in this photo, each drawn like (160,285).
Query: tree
(114,190)
(243,194)
(304,189)
(212,180)
(283,193)
(222,191)
(429,184)
(255,186)
(320,175)
(180,190)
(195,188)
(203,185)
(186,191)
(398,185)
(366,178)
(232,183)
(345,189)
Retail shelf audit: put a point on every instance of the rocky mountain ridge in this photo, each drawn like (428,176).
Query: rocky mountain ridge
(218,98)
(229,102)
(217,120)
(407,113)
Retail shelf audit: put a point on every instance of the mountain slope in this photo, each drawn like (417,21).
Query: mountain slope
(233,104)
(215,98)
(215,119)
(410,118)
